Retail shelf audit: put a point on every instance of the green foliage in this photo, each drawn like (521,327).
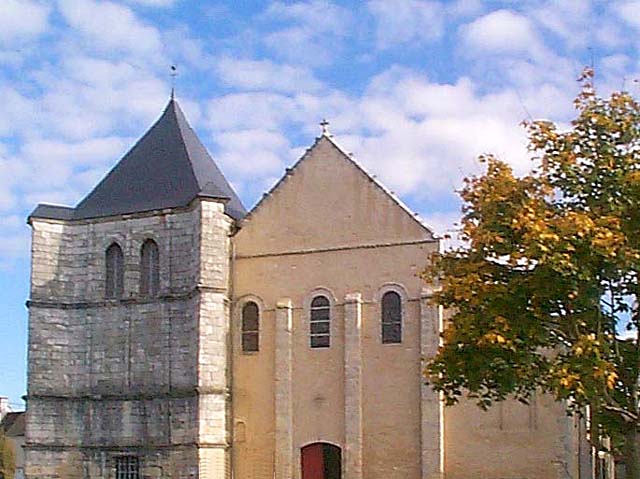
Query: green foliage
(550,271)
(7,458)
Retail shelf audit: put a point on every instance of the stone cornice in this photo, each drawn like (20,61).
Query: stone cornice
(192,205)
(163,298)
(183,393)
(337,248)
(120,447)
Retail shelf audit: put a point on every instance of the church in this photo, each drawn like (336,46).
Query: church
(174,334)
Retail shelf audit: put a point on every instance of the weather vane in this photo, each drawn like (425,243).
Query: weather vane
(174,74)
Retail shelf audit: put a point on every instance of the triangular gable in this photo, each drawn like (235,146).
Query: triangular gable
(327,200)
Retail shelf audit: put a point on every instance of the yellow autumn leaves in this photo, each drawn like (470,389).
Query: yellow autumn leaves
(550,262)
(586,366)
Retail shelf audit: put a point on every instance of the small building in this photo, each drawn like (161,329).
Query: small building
(173,334)
(13,427)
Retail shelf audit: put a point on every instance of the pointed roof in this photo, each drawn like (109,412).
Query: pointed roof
(168,167)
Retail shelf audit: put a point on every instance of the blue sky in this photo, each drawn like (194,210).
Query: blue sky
(416,89)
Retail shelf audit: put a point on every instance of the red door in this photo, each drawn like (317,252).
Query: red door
(321,461)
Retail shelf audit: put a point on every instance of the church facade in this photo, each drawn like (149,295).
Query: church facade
(173,334)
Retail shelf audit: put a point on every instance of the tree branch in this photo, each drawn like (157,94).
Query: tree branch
(628,416)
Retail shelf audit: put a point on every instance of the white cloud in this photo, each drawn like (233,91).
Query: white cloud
(22,19)
(624,334)
(266,75)
(154,3)
(569,19)
(315,30)
(629,12)
(463,8)
(608,33)
(14,244)
(616,65)
(317,15)
(253,110)
(12,173)
(83,97)
(278,112)
(579,23)
(189,53)
(84,154)
(500,32)
(61,172)
(251,153)
(403,21)
(17,111)
(415,134)
(109,26)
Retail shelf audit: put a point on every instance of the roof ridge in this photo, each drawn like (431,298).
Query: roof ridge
(112,170)
(288,171)
(210,180)
(177,112)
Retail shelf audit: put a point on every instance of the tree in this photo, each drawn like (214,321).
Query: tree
(549,274)
(7,458)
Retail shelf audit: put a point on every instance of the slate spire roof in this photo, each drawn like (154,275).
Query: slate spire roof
(168,167)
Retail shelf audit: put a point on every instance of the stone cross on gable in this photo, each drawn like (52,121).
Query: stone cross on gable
(325,128)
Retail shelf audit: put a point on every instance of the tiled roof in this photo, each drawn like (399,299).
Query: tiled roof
(13,424)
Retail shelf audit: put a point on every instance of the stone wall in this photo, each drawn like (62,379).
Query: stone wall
(128,376)
(330,229)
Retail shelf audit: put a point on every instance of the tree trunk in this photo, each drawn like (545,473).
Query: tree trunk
(632,453)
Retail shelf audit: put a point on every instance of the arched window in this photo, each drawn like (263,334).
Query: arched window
(149,269)
(250,328)
(391,318)
(320,323)
(114,287)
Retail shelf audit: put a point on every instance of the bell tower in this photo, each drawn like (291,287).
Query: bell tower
(128,368)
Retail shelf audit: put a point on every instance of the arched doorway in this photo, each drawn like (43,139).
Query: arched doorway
(321,460)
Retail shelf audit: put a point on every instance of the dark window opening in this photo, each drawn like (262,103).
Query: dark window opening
(250,328)
(127,467)
(149,269)
(114,287)
(320,323)
(391,318)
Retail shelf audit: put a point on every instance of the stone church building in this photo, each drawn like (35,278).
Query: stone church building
(173,334)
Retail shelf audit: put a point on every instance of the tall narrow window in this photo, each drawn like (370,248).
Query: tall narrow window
(114,272)
(391,318)
(250,328)
(320,323)
(149,269)
(127,467)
